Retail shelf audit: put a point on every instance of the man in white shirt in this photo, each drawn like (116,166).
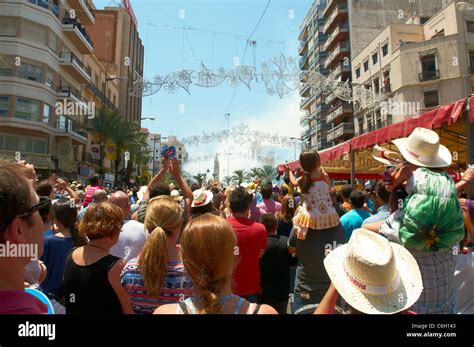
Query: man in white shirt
(133,234)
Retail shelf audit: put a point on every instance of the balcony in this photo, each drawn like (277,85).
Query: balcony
(337,55)
(101,96)
(322,107)
(305,133)
(84,11)
(74,66)
(303,60)
(69,128)
(305,89)
(339,69)
(303,48)
(338,112)
(340,13)
(78,35)
(429,75)
(342,130)
(306,102)
(341,33)
(68,92)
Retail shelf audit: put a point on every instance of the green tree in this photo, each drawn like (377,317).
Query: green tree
(227,180)
(200,178)
(256,172)
(239,177)
(268,173)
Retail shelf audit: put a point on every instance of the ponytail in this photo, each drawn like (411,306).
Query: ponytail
(78,239)
(305,182)
(309,161)
(209,292)
(153,261)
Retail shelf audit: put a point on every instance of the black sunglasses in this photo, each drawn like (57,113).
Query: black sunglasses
(44,202)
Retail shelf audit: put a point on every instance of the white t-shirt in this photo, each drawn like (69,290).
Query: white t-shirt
(131,240)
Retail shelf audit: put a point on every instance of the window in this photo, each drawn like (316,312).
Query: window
(179,149)
(423,20)
(34,32)
(8,25)
(366,65)
(431,98)
(53,42)
(470,26)
(375,58)
(46,113)
(6,66)
(3,106)
(377,85)
(428,68)
(180,156)
(385,50)
(438,34)
(11,143)
(471,60)
(358,72)
(27,109)
(30,72)
(30,145)
(62,122)
(41,146)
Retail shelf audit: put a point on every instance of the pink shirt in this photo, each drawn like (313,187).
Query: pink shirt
(269,206)
(20,302)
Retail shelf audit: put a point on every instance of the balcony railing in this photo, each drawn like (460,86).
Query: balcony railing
(429,75)
(345,46)
(45,4)
(70,57)
(340,130)
(339,9)
(69,90)
(78,25)
(340,29)
(97,92)
(338,111)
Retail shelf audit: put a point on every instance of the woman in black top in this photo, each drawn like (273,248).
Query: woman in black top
(92,275)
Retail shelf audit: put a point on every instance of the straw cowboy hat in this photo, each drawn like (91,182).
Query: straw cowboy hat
(386,156)
(373,275)
(201,197)
(422,148)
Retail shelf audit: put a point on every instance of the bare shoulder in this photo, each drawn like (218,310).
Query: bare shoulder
(166,309)
(267,309)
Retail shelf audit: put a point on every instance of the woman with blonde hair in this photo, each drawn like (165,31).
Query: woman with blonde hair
(157,275)
(226,213)
(208,249)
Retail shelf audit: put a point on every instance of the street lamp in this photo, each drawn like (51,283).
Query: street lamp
(465,7)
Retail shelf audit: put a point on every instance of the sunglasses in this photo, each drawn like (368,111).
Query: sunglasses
(44,203)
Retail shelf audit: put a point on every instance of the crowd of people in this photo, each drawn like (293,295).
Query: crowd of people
(301,246)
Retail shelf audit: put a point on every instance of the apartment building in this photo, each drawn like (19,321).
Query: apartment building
(42,48)
(419,65)
(120,48)
(313,122)
(348,26)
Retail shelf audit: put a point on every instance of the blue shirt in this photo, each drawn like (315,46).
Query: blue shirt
(48,233)
(382,214)
(258,197)
(353,220)
(55,251)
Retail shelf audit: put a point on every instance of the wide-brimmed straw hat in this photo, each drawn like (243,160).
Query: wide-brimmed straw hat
(386,156)
(422,148)
(373,275)
(201,197)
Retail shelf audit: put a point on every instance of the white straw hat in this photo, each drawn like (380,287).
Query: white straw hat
(201,197)
(422,148)
(373,275)
(175,195)
(386,156)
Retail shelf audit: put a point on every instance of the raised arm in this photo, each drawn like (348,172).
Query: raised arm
(400,176)
(327,305)
(187,193)
(157,178)
(465,182)
(63,185)
(293,180)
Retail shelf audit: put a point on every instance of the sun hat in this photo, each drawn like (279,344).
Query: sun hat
(373,275)
(422,148)
(201,197)
(175,195)
(386,156)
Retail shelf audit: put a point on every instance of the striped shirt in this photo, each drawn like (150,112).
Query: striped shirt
(177,287)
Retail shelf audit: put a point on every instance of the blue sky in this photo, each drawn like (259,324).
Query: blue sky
(167,50)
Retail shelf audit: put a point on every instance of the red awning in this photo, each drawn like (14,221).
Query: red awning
(335,152)
(434,119)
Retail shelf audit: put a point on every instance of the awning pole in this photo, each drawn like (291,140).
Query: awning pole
(352,168)
(468,133)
